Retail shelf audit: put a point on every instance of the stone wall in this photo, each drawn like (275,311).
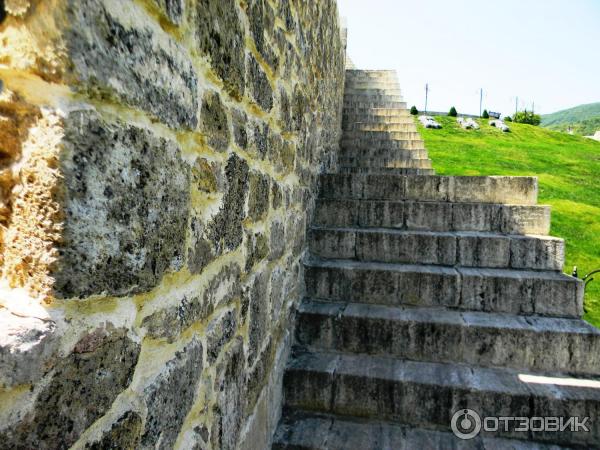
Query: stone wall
(158,169)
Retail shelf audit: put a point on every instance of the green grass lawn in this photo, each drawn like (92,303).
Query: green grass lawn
(568,168)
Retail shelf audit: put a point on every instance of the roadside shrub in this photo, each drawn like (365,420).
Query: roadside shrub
(527,117)
(452,112)
(485,114)
(414,111)
(508,119)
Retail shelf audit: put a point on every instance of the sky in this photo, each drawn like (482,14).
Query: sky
(545,52)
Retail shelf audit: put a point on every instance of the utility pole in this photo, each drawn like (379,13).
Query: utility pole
(533,108)
(480,101)
(516,105)
(426,95)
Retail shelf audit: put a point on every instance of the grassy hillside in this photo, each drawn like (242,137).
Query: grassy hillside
(584,119)
(568,168)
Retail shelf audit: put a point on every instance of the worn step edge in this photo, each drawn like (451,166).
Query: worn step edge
(312,431)
(523,292)
(460,189)
(426,394)
(433,216)
(446,248)
(431,334)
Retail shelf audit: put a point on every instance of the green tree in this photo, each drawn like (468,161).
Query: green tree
(452,112)
(485,114)
(414,111)
(527,117)
(508,119)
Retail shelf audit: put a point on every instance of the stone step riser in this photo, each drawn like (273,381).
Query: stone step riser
(510,190)
(370,75)
(445,249)
(368,91)
(372,98)
(423,334)
(306,431)
(405,126)
(363,135)
(434,216)
(372,84)
(376,120)
(384,171)
(371,81)
(376,112)
(381,153)
(382,144)
(502,291)
(381,163)
(402,393)
(354,106)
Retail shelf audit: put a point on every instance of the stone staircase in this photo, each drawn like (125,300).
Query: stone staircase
(379,134)
(427,295)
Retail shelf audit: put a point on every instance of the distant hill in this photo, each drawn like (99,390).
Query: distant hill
(583,119)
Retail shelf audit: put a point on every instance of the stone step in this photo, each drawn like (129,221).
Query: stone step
(524,292)
(385,170)
(427,395)
(376,124)
(358,105)
(349,119)
(403,126)
(389,144)
(433,216)
(366,135)
(439,188)
(465,249)
(313,431)
(354,74)
(375,163)
(441,335)
(350,99)
(372,91)
(377,112)
(365,83)
(382,153)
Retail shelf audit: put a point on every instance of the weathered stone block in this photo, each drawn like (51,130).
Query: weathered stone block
(116,51)
(262,20)
(225,230)
(170,322)
(214,124)
(201,253)
(258,202)
(240,135)
(230,405)
(278,242)
(220,330)
(173,9)
(79,390)
(170,396)
(258,84)
(276,195)
(27,347)
(125,433)
(220,36)
(258,314)
(126,202)
(257,249)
